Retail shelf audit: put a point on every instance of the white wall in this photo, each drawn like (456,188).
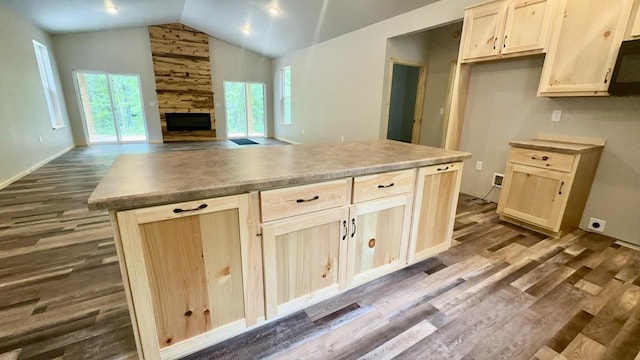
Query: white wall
(337,85)
(125,51)
(129,51)
(232,63)
(503,106)
(443,49)
(24,115)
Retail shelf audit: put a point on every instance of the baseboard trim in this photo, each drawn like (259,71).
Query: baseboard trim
(287,140)
(34,167)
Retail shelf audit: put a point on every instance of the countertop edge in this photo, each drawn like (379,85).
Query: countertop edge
(148,200)
(523,145)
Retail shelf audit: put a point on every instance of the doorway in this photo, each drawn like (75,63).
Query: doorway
(111,106)
(406,99)
(245,109)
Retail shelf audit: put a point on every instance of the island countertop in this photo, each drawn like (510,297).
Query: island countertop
(142,180)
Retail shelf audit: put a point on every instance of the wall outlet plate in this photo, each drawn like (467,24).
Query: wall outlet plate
(478,165)
(596,225)
(497,180)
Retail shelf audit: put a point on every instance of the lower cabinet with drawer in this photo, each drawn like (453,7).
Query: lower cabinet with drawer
(200,272)
(547,184)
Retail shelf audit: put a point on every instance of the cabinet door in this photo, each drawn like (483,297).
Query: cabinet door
(434,210)
(304,260)
(186,269)
(378,238)
(635,27)
(535,195)
(527,26)
(584,47)
(483,30)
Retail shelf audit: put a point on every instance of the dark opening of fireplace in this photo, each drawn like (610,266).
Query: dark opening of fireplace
(188,121)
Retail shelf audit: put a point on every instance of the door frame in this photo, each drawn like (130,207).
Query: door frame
(266,110)
(82,111)
(418,111)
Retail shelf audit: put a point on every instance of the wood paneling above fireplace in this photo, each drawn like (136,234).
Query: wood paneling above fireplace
(183,77)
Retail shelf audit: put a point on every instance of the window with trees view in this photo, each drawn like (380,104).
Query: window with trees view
(49,84)
(112,107)
(245,105)
(285,95)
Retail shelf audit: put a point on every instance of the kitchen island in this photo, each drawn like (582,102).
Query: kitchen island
(212,243)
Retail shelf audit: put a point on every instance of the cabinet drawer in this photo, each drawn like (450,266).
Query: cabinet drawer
(304,199)
(542,159)
(377,186)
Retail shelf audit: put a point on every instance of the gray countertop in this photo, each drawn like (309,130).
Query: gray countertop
(557,146)
(161,178)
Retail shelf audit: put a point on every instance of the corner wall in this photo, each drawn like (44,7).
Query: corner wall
(503,106)
(337,85)
(125,51)
(24,114)
(232,63)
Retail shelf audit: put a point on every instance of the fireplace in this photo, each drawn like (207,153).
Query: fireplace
(188,121)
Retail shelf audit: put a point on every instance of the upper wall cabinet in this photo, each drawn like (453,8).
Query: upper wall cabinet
(506,28)
(584,47)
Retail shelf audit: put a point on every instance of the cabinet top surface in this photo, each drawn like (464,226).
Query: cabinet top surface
(555,146)
(161,178)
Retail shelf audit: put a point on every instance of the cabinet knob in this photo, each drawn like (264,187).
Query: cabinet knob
(372,243)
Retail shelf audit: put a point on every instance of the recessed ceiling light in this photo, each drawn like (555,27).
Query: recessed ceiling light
(273,10)
(112,10)
(246,30)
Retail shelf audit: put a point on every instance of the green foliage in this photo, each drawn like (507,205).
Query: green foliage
(127,104)
(235,95)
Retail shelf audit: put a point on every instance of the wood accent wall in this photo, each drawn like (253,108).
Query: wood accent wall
(183,77)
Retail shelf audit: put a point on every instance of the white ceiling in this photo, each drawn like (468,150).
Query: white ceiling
(299,24)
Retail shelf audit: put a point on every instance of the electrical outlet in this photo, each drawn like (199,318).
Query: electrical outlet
(41,140)
(302,131)
(342,138)
(556,116)
(478,165)
(497,180)
(596,225)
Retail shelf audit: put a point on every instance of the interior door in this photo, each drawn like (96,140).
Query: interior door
(402,103)
(112,109)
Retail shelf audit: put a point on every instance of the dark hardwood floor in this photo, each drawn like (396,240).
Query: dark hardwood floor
(501,292)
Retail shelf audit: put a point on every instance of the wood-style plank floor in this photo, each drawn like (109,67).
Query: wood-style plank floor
(501,292)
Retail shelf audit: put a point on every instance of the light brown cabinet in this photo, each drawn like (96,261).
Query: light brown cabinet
(547,184)
(584,47)
(379,225)
(634,24)
(189,271)
(434,211)
(304,260)
(505,28)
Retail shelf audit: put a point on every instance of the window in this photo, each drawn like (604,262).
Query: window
(245,105)
(49,84)
(285,95)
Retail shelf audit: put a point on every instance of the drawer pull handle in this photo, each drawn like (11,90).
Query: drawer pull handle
(353,223)
(544,158)
(560,191)
(178,210)
(385,186)
(443,169)
(307,200)
(344,224)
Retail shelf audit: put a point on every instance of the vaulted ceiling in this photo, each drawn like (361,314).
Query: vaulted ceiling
(247,23)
